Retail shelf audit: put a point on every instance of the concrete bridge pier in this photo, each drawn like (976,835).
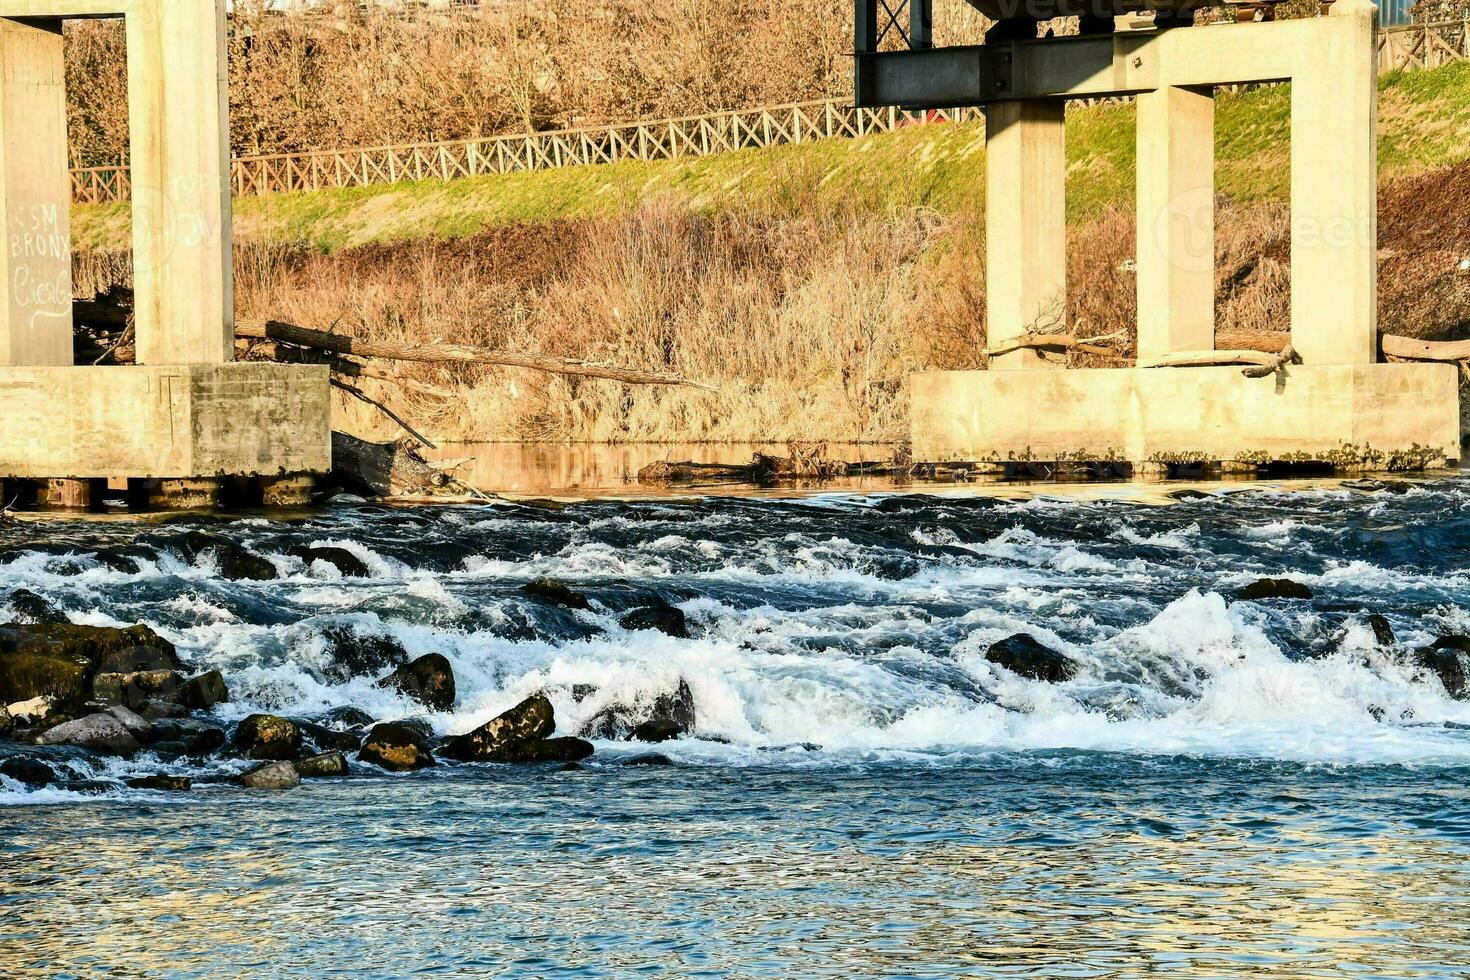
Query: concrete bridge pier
(185,414)
(1341,407)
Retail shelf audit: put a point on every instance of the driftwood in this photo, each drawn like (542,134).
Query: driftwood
(1213,358)
(1055,342)
(804,463)
(451,353)
(388,469)
(1287,356)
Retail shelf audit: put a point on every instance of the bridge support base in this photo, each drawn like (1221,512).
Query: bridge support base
(1348,416)
(168,422)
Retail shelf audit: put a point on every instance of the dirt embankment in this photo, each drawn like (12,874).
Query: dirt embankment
(809,325)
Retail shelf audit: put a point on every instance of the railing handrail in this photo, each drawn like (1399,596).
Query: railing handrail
(667,138)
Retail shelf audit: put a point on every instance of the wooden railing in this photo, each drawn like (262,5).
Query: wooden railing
(1408,47)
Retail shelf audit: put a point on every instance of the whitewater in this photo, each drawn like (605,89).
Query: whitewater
(845,712)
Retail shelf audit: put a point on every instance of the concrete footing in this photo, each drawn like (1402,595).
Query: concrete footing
(287,491)
(165,421)
(1350,416)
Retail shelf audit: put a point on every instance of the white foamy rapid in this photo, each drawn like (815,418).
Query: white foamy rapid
(836,633)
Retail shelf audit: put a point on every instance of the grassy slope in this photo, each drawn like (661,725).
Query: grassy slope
(1424,121)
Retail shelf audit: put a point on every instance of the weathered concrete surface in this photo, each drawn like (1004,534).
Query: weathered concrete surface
(1354,415)
(165,421)
(35,197)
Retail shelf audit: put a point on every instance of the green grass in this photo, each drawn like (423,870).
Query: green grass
(1425,122)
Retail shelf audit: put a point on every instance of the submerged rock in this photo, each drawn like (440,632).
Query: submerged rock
(557,593)
(659,615)
(428,680)
(348,564)
(355,654)
(32,608)
(100,732)
(186,736)
(1382,630)
(669,716)
(1273,588)
(397,748)
(563,749)
(348,716)
(160,781)
(204,691)
(324,738)
(649,759)
(324,766)
(1028,657)
(234,561)
(31,772)
(263,736)
(272,775)
(1445,658)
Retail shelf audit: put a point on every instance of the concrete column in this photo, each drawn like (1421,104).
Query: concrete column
(1025,224)
(1334,191)
(69,494)
(193,494)
(179,126)
(287,491)
(1176,221)
(35,197)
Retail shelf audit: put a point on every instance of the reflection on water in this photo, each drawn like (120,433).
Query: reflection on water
(586,468)
(1078,865)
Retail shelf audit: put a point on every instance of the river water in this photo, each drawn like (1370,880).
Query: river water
(1226,788)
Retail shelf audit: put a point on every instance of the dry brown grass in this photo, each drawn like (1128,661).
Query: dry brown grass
(368,78)
(809,322)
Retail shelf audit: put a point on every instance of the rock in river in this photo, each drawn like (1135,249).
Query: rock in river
(31,772)
(32,608)
(557,593)
(1382,630)
(160,781)
(272,775)
(346,563)
(1445,657)
(1027,656)
(428,680)
(355,654)
(658,615)
(669,716)
(267,737)
(397,748)
(204,691)
(521,734)
(1273,588)
(59,660)
(325,765)
(100,732)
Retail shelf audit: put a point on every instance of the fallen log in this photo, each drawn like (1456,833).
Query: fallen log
(1215,358)
(452,353)
(1425,350)
(1054,342)
(1287,356)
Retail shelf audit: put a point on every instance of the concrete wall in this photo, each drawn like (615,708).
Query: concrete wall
(165,421)
(1334,413)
